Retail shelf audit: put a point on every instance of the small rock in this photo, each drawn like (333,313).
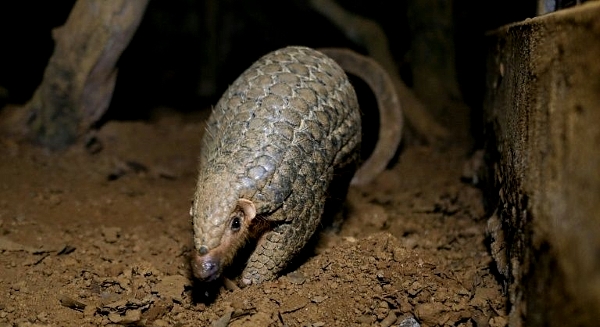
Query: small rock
(382,313)
(296,278)
(366,319)
(89,311)
(132,316)
(409,322)
(42,317)
(224,320)
(498,321)
(410,242)
(399,254)
(319,298)
(230,285)
(389,320)
(482,296)
(71,303)
(431,313)
(8,245)
(115,317)
(415,288)
(111,234)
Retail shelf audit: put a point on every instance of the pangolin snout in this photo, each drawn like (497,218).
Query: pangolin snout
(205,267)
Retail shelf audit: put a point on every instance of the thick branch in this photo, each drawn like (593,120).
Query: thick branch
(80,77)
(368,34)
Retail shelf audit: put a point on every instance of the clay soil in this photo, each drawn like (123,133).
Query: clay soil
(100,235)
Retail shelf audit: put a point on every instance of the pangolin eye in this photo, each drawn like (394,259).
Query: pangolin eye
(236,223)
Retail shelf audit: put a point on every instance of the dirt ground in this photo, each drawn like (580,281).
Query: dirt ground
(100,235)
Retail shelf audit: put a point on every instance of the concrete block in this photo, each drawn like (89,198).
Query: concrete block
(542,126)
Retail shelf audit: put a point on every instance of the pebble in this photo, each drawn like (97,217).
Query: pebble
(389,320)
(409,322)
(296,278)
(366,319)
(111,234)
(382,313)
(42,317)
(224,320)
(319,298)
(498,322)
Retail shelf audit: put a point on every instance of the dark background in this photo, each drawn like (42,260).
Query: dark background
(185,53)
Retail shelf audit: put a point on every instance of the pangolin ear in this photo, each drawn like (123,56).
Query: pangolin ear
(248,208)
